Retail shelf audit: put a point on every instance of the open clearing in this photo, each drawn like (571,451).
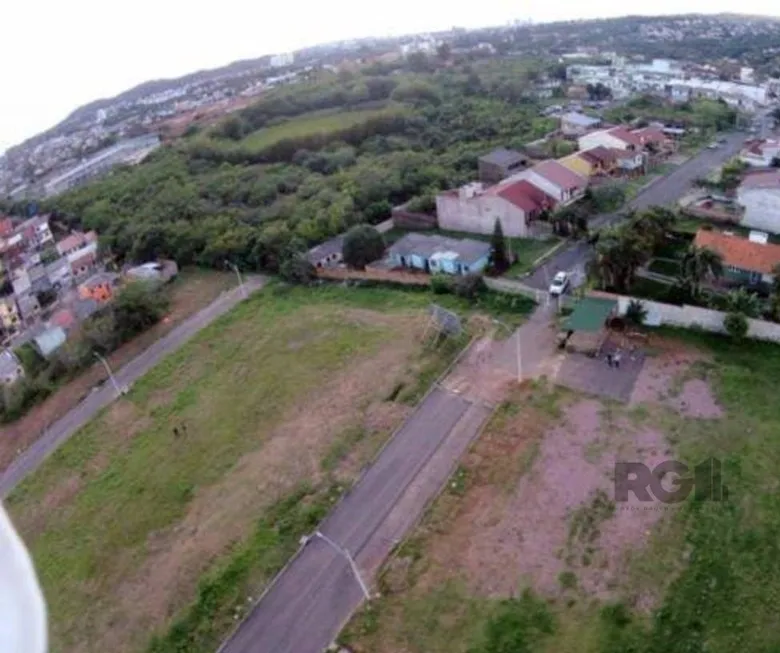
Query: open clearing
(528,547)
(197,485)
(191,291)
(320,122)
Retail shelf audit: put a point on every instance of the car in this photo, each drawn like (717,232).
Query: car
(713,146)
(722,140)
(559,283)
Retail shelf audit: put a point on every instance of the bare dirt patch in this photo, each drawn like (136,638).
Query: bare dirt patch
(560,517)
(676,378)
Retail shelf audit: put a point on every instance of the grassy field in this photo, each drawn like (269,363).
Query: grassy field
(181,500)
(701,576)
(311,123)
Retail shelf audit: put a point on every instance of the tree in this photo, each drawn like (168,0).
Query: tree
(699,264)
(636,313)
(744,302)
(443,51)
(499,260)
(362,245)
(736,325)
(297,269)
(138,306)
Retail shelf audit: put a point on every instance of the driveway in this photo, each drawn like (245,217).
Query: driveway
(663,192)
(29,460)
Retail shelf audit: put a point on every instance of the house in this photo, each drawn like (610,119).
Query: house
(10,367)
(327,254)
(500,164)
(50,341)
(440,254)
(21,282)
(9,315)
(653,139)
(60,273)
(99,287)
(516,203)
(555,179)
(35,232)
(75,241)
(615,137)
(760,153)
(6,227)
(602,161)
(759,194)
(629,162)
(39,280)
(83,261)
(746,260)
(576,124)
(28,306)
(65,318)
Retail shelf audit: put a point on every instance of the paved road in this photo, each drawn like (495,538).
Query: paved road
(62,429)
(310,601)
(665,191)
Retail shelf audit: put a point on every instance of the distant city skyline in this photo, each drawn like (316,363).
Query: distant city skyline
(79,53)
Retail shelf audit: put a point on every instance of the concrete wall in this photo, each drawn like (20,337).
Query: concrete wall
(477,215)
(659,313)
(762,208)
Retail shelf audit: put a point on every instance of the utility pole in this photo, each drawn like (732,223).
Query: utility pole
(516,334)
(119,391)
(342,551)
(234,267)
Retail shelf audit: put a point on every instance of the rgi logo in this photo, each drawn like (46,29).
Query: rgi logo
(670,481)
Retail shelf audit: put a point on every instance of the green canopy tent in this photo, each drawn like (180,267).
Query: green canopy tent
(586,326)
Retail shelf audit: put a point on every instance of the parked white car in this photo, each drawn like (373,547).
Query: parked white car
(559,283)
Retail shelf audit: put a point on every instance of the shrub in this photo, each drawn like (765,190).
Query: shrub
(441,284)
(297,270)
(468,286)
(636,313)
(736,325)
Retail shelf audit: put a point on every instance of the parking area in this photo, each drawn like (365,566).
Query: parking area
(594,375)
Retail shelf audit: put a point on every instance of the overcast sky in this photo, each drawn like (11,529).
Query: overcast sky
(57,55)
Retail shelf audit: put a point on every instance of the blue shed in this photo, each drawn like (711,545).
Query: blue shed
(434,253)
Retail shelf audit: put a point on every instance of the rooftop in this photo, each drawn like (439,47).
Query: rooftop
(326,249)
(559,174)
(763,179)
(740,252)
(580,119)
(468,251)
(503,157)
(9,363)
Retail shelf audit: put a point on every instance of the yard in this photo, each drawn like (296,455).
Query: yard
(183,498)
(527,550)
(193,290)
(308,124)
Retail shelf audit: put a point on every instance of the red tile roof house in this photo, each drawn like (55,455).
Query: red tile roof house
(746,260)
(75,241)
(474,208)
(615,137)
(556,180)
(654,140)
(602,159)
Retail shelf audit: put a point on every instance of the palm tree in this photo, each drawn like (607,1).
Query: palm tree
(619,252)
(744,302)
(699,264)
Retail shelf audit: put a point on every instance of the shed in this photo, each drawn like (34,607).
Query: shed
(586,326)
(50,341)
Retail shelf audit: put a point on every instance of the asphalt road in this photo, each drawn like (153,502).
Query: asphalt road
(62,429)
(664,191)
(309,602)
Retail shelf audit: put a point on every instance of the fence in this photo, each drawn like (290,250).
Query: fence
(404,219)
(659,313)
(375,275)
(514,288)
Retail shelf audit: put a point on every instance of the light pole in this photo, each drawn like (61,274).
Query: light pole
(342,551)
(119,391)
(234,267)
(516,334)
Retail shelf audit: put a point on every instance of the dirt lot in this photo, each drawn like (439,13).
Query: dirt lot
(192,291)
(127,517)
(533,506)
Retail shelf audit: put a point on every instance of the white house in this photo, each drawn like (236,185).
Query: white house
(759,194)
(616,137)
(760,153)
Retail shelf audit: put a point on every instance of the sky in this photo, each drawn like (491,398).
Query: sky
(56,56)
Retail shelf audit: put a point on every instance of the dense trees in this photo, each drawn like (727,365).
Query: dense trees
(210,197)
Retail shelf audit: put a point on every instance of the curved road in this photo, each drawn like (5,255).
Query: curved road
(62,429)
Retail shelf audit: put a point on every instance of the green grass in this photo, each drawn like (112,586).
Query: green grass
(230,386)
(308,124)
